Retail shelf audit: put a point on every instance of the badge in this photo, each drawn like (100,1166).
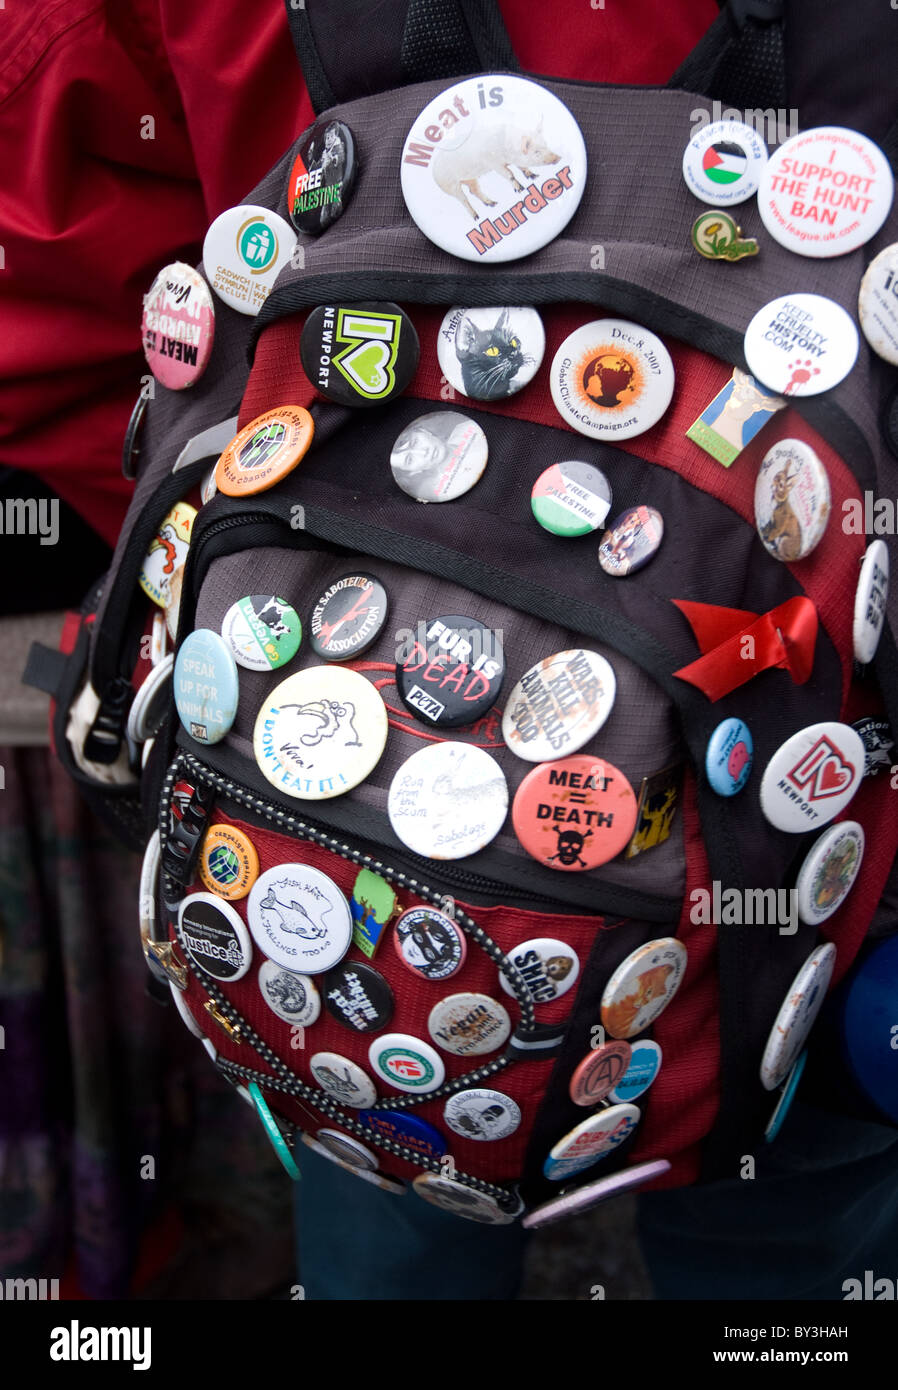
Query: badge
(461,1200)
(262,631)
(430,943)
(592,1194)
(870,601)
(348,617)
(644,1066)
(149,704)
(448,800)
(299,918)
(372,905)
(493,168)
(208,485)
(598,1073)
(867,1007)
(801,344)
(167,552)
(612,379)
(549,967)
(406,1129)
(187,1017)
(825,191)
(229,864)
(590,1140)
(717,237)
(453,672)
(292,997)
(245,250)
(130,444)
(482,1114)
(812,777)
(407,1063)
(173,602)
(343,1080)
(264,451)
(828,873)
(488,354)
(558,705)
(345,1147)
(878,740)
(321,177)
(631,541)
(787,1095)
(439,457)
(359,354)
(469,1025)
(178,326)
(723,162)
(358,997)
(728,757)
(877,304)
(272,1129)
(205,686)
(320,732)
(655,812)
(574,814)
(214,936)
(797,1015)
(792,500)
(732,419)
(571,498)
(642,986)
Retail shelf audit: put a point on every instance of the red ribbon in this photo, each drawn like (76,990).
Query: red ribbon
(737,645)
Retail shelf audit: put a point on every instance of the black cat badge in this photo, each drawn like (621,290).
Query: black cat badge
(359,354)
(490,353)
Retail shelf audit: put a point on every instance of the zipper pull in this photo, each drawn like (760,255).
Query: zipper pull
(104,738)
(189,819)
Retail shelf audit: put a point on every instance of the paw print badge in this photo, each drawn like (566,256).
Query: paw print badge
(801,344)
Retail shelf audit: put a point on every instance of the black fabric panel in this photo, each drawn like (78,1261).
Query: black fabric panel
(841,62)
(739,61)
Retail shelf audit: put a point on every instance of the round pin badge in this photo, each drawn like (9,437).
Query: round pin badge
(797,1015)
(263,632)
(406,1129)
(214,936)
(461,1200)
(264,451)
(792,500)
(178,326)
(348,617)
(205,686)
(723,163)
(612,379)
(558,705)
(825,191)
(273,1130)
(357,996)
(322,176)
(482,1114)
(439,457)
(345,1147)
(599,1072)
(448,800)
(158,639)
(229,864)
(801,344)
(590,1140)
(729,756)
(493,168)
(342,1079)
(208,489)
(407,1063)
(451,673)
(642,986)
(469,1025)
(131,442)
(571,498)
(488,354)
(877,304)
(173,603)
(631,541)
(870,601)
(574,814)
(359,354)
(829,870)
(550,968)
(167,552)
(429,943)
(245,250)
(644,1066)
(787,1096)
(878,740)
(187,1017)
(812,777)
(320,732)
(592,1194)
(299,918)
(149,704)
(294,998)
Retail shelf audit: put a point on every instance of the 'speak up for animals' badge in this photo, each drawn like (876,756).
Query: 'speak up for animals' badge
(493,168)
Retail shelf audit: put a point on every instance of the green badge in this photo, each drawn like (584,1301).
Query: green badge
(360,354)
(372,904)
(263,632)
(571,498)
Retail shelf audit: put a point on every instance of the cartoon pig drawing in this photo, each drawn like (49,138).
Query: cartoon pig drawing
(491,149)
(737,760)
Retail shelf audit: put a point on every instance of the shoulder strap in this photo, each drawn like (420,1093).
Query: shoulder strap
(740,60)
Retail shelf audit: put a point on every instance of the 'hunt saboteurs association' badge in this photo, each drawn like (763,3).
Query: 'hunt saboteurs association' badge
(493,168)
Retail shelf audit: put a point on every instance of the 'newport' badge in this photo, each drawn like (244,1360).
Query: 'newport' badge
(359,354)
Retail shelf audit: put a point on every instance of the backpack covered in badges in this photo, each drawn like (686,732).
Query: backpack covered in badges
(445,856)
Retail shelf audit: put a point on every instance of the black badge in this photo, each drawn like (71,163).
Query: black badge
(321,177)
(358,996)
(452,672)
(214,936)
(348,617)
(359,354)
(878,741)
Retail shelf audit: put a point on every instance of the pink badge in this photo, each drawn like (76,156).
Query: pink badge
(178,326)
(575,813)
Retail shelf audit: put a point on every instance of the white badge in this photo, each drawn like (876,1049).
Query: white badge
(801,344)
(549,967)
(877,304)
(294,998)
(828,873)
(488,354)
(439,457)
(870,601)
(611,379)
(558,705)
(343,1079)
(461,1200)
(642,986)
(796,1016)
(723,163)
(244,251)
(299,918)
(482,1114)
(407,1063)
(812,777)
(792,500)
(469,1025)
(448,800)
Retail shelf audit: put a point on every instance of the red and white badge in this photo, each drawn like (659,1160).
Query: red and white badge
(812,777)
(642,986)
(408,1063)
(574,814)
(801,344)
(591,1140)
(178,326)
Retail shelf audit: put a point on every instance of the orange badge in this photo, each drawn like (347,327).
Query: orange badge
(265,451)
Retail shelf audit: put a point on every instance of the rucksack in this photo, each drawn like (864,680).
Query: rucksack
(625,255)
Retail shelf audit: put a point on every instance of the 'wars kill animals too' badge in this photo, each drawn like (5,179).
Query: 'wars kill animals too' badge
(558,705)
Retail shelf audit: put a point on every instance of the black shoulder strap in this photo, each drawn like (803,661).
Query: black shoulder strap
(740,60)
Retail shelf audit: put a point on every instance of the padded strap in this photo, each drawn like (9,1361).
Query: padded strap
(740,61)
